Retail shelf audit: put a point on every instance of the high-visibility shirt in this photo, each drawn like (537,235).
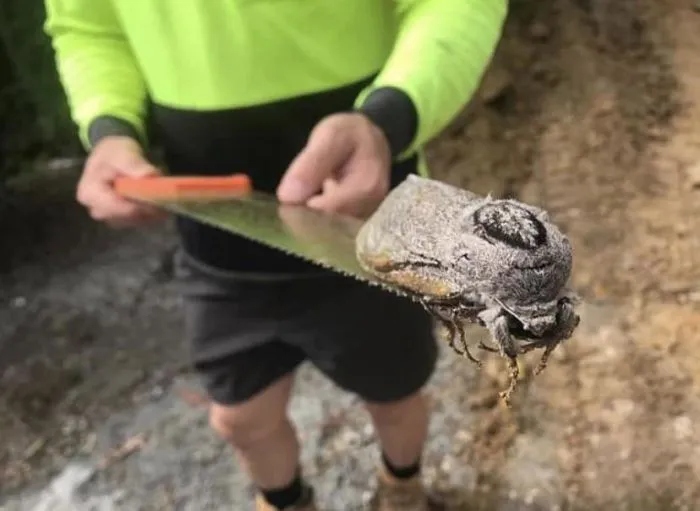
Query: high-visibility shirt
(262,72)
(204,55)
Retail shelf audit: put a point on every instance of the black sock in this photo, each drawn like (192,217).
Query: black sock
(287,496)
(401,472)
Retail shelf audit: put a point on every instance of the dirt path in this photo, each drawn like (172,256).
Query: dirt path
(592,109)
(602,120)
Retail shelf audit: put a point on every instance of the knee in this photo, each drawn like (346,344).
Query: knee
(243,428)
(397,412)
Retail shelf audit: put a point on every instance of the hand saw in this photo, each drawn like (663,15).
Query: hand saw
(230,203)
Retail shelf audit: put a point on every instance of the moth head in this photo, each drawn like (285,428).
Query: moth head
(551,322)
(513,254)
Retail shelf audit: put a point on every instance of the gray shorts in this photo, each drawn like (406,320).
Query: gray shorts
(247,333)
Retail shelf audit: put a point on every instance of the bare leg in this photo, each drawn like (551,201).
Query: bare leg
(402,428)
(261,435)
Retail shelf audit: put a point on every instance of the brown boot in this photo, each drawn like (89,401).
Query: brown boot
(306,503)
(402,495)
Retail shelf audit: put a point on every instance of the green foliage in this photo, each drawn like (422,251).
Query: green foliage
(34,117)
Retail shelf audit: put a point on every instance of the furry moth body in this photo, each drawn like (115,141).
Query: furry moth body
(497,262)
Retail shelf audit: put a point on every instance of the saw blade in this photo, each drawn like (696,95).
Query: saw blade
(325,239)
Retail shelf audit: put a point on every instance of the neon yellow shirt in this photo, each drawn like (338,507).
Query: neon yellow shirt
(212,54)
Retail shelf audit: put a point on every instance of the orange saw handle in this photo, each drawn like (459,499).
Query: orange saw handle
(183,187)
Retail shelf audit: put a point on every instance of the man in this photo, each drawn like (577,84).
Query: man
(325,102)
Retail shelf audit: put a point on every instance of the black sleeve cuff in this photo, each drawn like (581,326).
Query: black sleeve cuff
(395,114)
(108,126)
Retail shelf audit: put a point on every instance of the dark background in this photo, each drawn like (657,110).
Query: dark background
(34,120)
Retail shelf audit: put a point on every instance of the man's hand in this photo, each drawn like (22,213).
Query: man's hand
(111,158)
(345,167)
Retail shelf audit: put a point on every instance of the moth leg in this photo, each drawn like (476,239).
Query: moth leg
(486,347)
(453,318)
(567,321)
(447,322)
(501,334)
(499,330)
(534,344)
(443,302)
(463,340)
(549,346)
(513,374)
(452,330)
(482,344)
(528,347)
(545,358)
(450,320)
(471,313)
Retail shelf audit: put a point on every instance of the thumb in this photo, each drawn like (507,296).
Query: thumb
(134,164)
(325,153)
(142,169)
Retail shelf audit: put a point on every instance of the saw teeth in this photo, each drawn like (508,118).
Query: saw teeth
(175,208)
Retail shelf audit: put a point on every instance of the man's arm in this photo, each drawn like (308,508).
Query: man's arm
(102,81)
(441,53)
